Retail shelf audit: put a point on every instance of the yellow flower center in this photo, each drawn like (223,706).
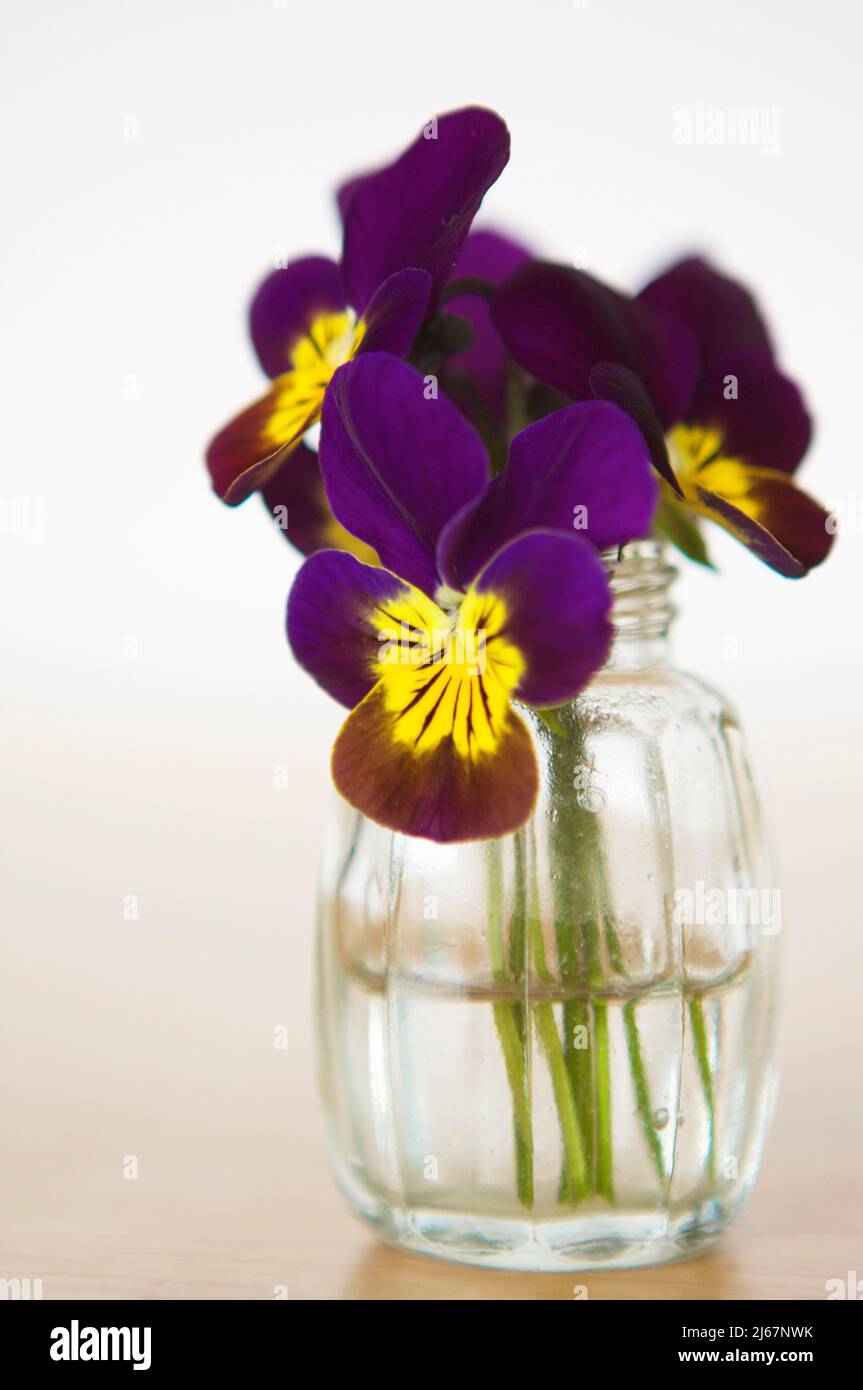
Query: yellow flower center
(332,339)
(699,461)
(691,448)
(447,674)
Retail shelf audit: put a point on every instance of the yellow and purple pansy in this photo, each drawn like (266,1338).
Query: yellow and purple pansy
(489,590)
(404,227)
(691,361)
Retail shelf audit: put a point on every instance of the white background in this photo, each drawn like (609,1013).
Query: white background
(127,267)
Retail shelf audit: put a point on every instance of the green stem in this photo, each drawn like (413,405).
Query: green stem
(512,1044)
(579,875)
(702,1055)
(582,918)
(612,945)
(494,898)
(573,1144)
(576,1176)
(534,921)
(566,842)
(518,926)
(603,1162)
(636,1060)
(642,1089)
(510,1024)
(579,1042)
(580,1076)
(602,1081)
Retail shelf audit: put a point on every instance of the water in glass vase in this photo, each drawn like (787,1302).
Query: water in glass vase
(554,1051)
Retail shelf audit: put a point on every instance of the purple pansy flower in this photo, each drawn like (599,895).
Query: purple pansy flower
(690,360)
(403,230)
(486,593)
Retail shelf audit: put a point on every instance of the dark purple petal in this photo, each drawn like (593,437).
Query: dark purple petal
(623,388)
(559,323)
(488,256)
(297,503)
(397,465)
(332,626)
(287,303)
(557,603)
(583,470)
(721,314)
(772,517)
(345,191)
(758,411)
(395,312)
(298,506)
(418,210)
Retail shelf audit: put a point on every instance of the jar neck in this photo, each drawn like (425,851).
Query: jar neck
(642,612)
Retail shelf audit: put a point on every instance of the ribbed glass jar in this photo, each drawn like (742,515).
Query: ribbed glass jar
(555,1051)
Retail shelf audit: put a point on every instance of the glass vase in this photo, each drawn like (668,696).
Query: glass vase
(555,1051)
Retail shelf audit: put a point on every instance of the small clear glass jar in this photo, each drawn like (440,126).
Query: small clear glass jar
(555,1051)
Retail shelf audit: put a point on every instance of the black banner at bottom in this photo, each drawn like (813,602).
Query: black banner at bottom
(158,1338)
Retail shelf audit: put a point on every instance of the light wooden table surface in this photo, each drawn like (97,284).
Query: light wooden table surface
(234,1204)
(150,1034)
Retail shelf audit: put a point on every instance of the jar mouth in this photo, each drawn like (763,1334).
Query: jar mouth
(641,575)
(650,550)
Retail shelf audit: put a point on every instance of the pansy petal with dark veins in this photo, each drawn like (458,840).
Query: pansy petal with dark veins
(418,210)
(397,462)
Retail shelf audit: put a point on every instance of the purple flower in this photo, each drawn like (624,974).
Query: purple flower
(403,230)
(488,591)
(690,360)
